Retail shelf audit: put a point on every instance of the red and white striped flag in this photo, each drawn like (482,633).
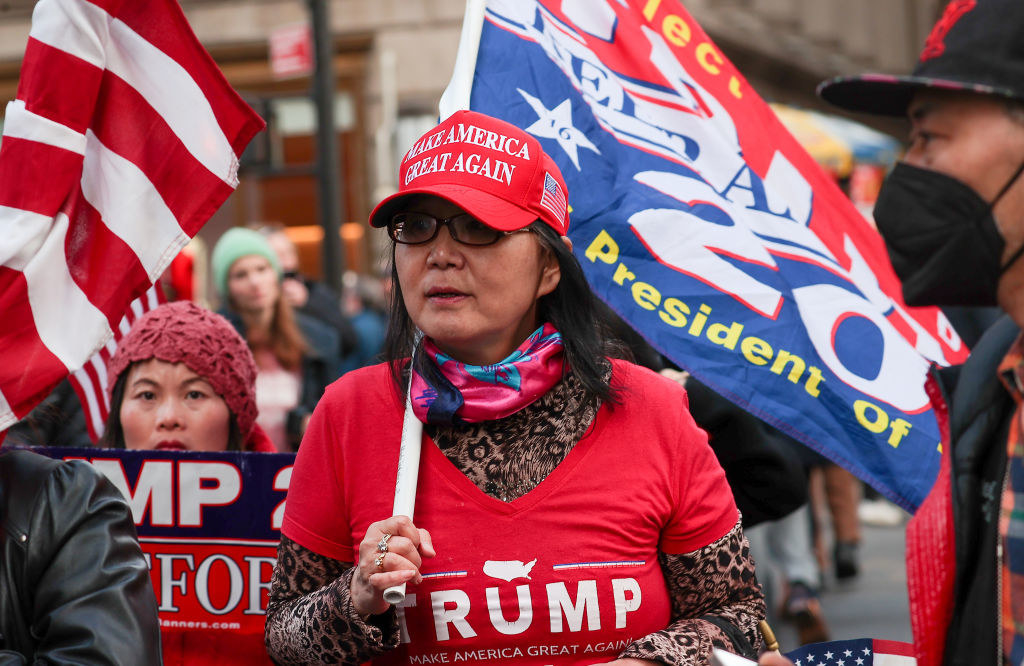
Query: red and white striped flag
(90,381)
(122,142)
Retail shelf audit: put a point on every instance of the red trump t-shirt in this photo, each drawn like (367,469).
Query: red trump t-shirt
(567,573)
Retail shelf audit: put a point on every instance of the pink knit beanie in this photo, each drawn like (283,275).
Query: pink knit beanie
(183,332)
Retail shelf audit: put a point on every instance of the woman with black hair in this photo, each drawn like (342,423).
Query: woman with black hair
(568,509)
(183,379)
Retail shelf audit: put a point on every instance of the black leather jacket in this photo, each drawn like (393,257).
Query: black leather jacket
(74,586)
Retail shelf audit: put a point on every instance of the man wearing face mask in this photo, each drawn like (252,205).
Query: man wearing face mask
(952,216)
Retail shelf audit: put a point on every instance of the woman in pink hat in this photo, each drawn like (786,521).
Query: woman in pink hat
(183,379)
(568,509)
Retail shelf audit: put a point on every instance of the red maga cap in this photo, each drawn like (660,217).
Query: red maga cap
(489,168)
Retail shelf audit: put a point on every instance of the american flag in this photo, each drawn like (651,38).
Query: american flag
(856,652)
(552,198)
(123,140)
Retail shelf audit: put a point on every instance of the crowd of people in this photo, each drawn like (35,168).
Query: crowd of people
(536,401)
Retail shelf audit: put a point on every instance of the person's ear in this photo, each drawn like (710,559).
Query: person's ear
(567,242)
(550,273)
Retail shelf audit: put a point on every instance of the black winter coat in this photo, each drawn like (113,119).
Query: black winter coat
(980,410)
(74,586)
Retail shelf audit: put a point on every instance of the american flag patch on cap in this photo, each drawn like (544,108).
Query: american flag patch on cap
(553,199)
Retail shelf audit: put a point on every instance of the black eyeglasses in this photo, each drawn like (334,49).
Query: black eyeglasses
(419,228)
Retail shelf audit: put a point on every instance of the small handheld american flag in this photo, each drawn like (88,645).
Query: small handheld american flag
(855,652)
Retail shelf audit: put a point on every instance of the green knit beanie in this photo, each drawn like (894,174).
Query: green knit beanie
(236,243)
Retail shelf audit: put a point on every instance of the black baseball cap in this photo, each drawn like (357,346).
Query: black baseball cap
(977,46)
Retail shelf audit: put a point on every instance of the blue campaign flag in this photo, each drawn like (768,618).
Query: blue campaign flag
(702,222)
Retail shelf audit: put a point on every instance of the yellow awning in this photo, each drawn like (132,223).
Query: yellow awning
(827,150)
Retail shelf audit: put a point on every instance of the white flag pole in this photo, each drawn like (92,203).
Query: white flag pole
(456,95)
(408,473)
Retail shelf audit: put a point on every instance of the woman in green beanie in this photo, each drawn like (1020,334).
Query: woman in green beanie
(296,356)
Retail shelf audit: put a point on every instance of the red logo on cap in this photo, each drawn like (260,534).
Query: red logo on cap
(935,45)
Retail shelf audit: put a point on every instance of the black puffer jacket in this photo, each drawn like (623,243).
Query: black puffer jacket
(74,586)
(979,419)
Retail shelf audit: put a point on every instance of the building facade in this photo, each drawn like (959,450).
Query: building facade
(393,58)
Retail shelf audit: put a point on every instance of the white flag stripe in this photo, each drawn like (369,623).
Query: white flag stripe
(77,27)
(91,407)
(893,660)
(169,89)
(165,84)
(56,300)
(141,219)
(99,364)
(98,389)
(7,417)
(21,123)
(22,233)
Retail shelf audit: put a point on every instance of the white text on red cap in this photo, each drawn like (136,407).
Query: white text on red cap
(472,135)
(473,163)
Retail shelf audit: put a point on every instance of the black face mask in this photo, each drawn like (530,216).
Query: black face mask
(942,239)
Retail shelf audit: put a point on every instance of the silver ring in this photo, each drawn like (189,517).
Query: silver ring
(379,561)
(382,546)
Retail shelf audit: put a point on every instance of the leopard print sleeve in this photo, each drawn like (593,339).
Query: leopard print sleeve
(716,602)
(310,617)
